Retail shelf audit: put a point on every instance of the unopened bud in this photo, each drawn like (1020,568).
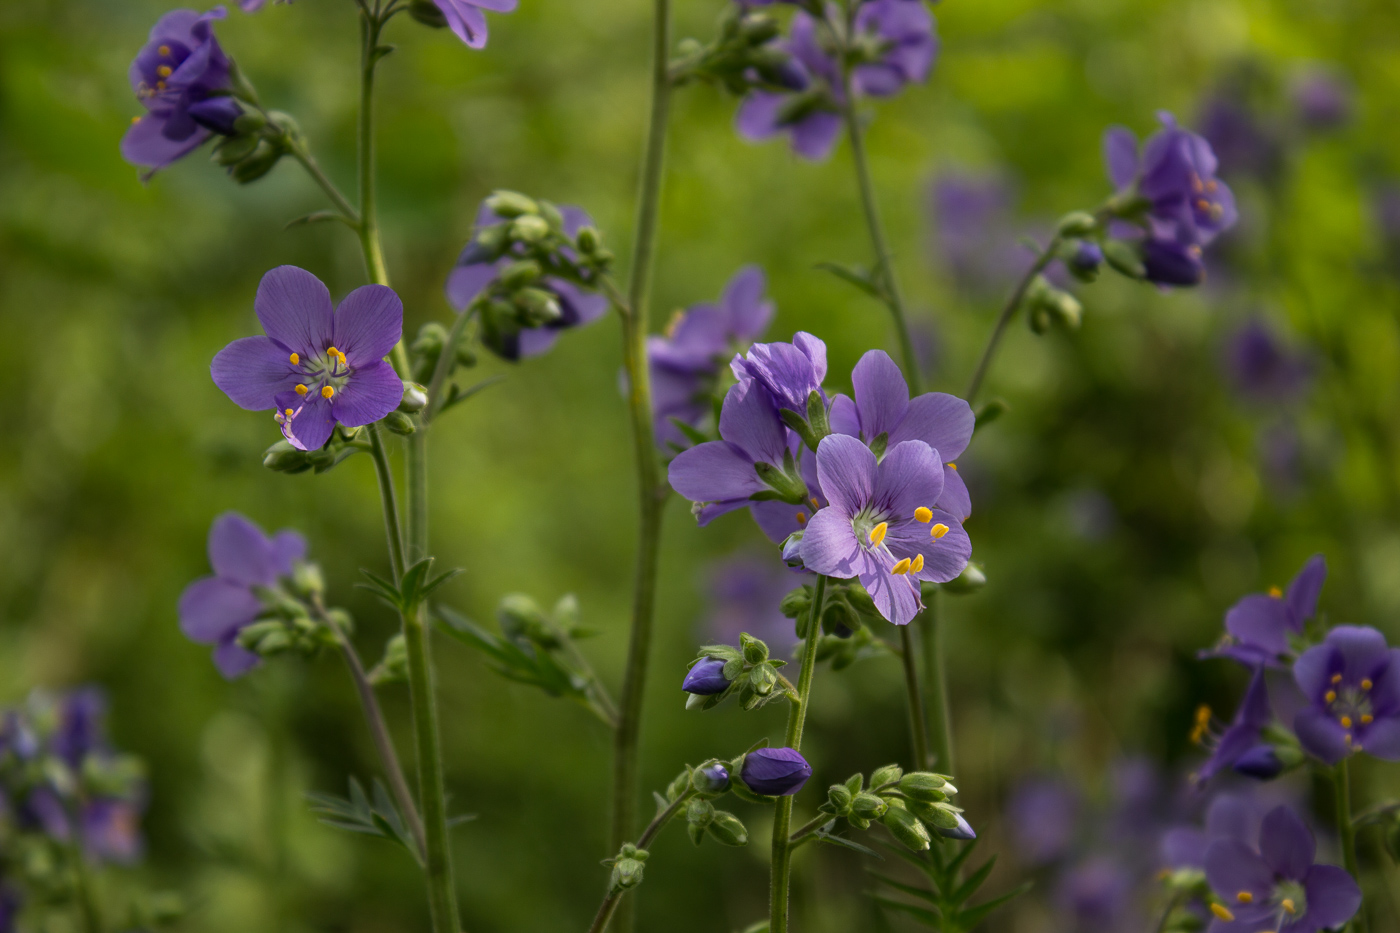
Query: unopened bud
(519,273)
(727,829)
(282,457)
(1077,224)
(552,216)
(868,806)
(699,812)
(540,306)
(529,228)
(588,240)
(923,785)
(710,779)
(399,423)
(755,651)
(796,603)
(889,774)
(511,204)
(415,398)
(906,827)
(840,797)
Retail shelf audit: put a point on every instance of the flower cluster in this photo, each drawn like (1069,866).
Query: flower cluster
(913,806)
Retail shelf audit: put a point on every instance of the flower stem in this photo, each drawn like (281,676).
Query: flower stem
(610,903)
(782,821)
(650,489)
(1346,828)
(303,155)
(88,910)
(939,713)
(1008,311)
(392,528)
(918,731)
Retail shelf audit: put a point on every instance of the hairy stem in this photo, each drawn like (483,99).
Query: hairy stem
(918,731)
(781,869)
(1008,311)
(939,714)
(610,903)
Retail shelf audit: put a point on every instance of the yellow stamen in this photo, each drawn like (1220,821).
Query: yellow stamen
(918,564)
(164,71)
(952,466)
(1330,696)
(1221,911)
(815,503)
(342,359)
(1367,719)
(1196,183)
(924,515)
(163,50)
(296,359)
(673,325)
(302,390)
(902,567)
(1275,592)
(1345,721)
(1288,905)
(1202,204)
(1336,678)
(1244,897)
(160,85)
(877,534)
(289,413)
(1348,738)
(1198,730)
(135,119)
(801,518)
(332,351)
(327,391)
(1366,684)
(938,531)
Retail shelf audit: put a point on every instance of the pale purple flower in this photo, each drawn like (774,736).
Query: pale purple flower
(467,19)
(1262,367)
(790,372)
(1258,627)
(905,32)
(1243,143)
(1322,99)
(1096,892)
(319,364)
(775,772)
(1352,681)
(881,525)
(214,609)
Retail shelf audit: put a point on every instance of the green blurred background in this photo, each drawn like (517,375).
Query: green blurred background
(1126,499)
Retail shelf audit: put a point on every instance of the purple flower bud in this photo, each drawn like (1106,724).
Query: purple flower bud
(217,114)
(706,678)
(1260,762)
(712,780)
(776,772)
(1087,257)
(963,830)
(1171,263)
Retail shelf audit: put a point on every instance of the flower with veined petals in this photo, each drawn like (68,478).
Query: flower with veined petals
(1258,626)
(1352,681)
(790,372)
(468,22)
(213,610)
(881,525)
(319,364)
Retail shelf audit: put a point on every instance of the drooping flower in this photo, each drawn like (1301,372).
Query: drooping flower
(1240,746)
(1277,886)
(1258,626)
(775,772)
(319,364)
(790,372)
(686,362)
(475,270)
(706,678)
(1262,367)
(178,76)
(809,114)
(214,609)
(882,525)
(467,19)
(1352,681)
(883,409)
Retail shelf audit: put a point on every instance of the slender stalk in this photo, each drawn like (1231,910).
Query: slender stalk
(650,489)
(1167,914)
(610,903)
(388,499)
(1346,828)
(1008,311)
(302,154)
(88,911)
(918,732)
(370,26)
(782,821)
(939,713)
(444,364)
(805,831)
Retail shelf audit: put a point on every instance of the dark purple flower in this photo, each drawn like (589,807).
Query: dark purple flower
(1352,681)
(177,76)
(214,609)
(881,525)
(319,364)
(1169,262)
(1229,816)
(745,592)
(1322,100)
(1096,892)
(474,272)
(1044,818)
(882,407)
(1262,367)
(706,678)
(79,729)
(466,19)
(1258,626)
(1276,886)
(809,116)
(904,31)
(1240,746)
(775,772)
(789,371)
(686,362)
(111,830)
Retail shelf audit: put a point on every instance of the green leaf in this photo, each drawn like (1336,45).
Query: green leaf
(910,889)
(382,588)
(856,276)
(975,881)
(972,916)
(844,843)
(438,581)
(320,216)
(922,914)
(694,435)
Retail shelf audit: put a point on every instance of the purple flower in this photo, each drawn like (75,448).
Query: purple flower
(17,737)
(1169,262)
(319,364)
(111,830)
(706,678)
(775,772)
(1096,892)
(1258,626)
(882,407)
(1241,746)
(467,20)
(1322,100)
(475,271)
(213,610)
(79,728)
(1352,681)
(810,117)
(904,31)
(881,524)
(177,76)
(745,593)
(685,364)
(1262,367)
(11,901)
(1044,818)
(789,371)
(779,520)
(1229,816)
(1276,886)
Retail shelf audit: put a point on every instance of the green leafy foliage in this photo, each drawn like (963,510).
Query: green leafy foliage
(942,903)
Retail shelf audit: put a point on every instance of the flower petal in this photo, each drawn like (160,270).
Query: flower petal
(1304,591)
(367,324)
(1313,669)
(1333,896)
(295,310)
(240,552)
(371,393)
(313,422)
(1321,735)
(1232,866)
(712,472)
(1260,621)
(910,476)
(465,282)
(1363,651)
(777,520)
(749,420)
(211,608)
(145,142)
(944,558)
(829,546)
(1286,843)
(846,470)
(234,661)
(955,497)
(288,547)
(895,595)
(467,22)
(1120,155)
(253,371)
(745,311)
(882,395)
(844,417)
(942,421)
(814,136)
(757,117)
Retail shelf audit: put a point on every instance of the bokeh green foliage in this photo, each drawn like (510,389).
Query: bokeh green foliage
(114,296)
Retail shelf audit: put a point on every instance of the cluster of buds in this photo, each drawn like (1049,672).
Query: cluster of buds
(744,55)
(847,612)
(910,805)
(705,783)
(746,672)
(253,140)
(628,867)
(427,348)
(291,620)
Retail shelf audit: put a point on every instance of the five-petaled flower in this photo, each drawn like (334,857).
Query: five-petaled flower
(1352,683)
(214,609)
(1258,627)
(882,525)
(319,364)
(179,76)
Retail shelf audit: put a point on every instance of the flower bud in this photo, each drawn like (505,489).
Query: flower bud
(1077,224)
(938,815)
(839,797)
(792,551)
(588,240)
(755,651)
(839,619)
(540,307)
(1085,261)
(1260,762)
(307,579)
(427,13)
(234,149)
(399,423)
(710,779)
(868,806)
(906,827)
(519,273)
(970,580)
(393,667)
(727,829)
(257,164)
(796,603)
(282,457)
(415,398)
(923,785)
(699,812)
(1124,259)
(775,772)
(552,216)
(511,204)
(249,121)
(963,830)
(627,869)
(889,774)
(763,678)
(706,678)
(529,228)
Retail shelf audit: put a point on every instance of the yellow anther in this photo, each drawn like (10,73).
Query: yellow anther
(1221,911)
(801,518)
(1366,683)
(877,534)
(951,466)
(296,359)
(1345,721)
(289,413)
(302,390)
(1212,185)
(1202,204)
(332,351)
(164,71)
(1275,592)
(1198,730)
(918,564)
(135,119)
(1244,897)
(923,514)
(902,567)
(1196,183)
(815,503)
(938,531)
(160,85)
(1288,905)
(1367,719)
(1330,696)
(327,391)
(342,358)
(163,50)
(1336,678)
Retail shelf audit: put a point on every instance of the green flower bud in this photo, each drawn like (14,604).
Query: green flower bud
(257,164)
(249,636)
(937,815)
(839,618)
(399,423)
(889,774)
(1124,259)
(393,668)
(840,798)
(540,307)
(924,785)
(626,874)
(427,13)
(906,827)
(274,642)
(234,149)
(519,273)
(699,812)
(521,617)
(529,228)
(415,398)
(763,678)
(727,829)
(282,457)
(868,806)
(755,651)
(249,121)
(797,603)
(588,240)
(552,216)
(509,204)
(1077,224)
(307,579)
(970,580)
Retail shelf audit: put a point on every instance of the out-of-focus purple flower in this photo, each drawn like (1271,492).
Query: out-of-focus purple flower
(880,525)
(16,737)
(473,273)
(1087,258)
(706,678)
(789,371)
(1277,886)
(1385,207)
(775,772)
(686,362)
(976,230)
(809,115)
(1281,458)
(467,18)
(1096,892)
(177,76)
(882,408)
(319,364)
(1241,746)
(1262,367)
(44,810)
(1258,626)
(79,729)
(1229,816)
(1352,681)
(1322,100)
(1044,818)
(213,610)
(745,593)
(904,31)
(1242,142)
(111,830)
(1169,262)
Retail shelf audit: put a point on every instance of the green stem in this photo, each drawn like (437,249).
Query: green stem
(303,155)
(889,283)
(1008,311)
(444,364)
(1167,914)
(650,488)
(88,910)
(610,903)
(918,731)
(1346,828)
(782,820)
(805,831)
(388,499)
(939,714)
